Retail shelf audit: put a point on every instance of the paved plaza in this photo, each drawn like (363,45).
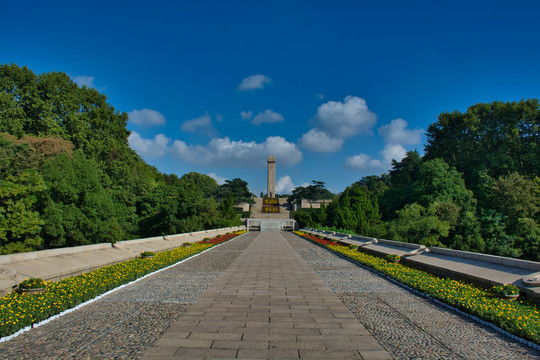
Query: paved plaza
(264,295)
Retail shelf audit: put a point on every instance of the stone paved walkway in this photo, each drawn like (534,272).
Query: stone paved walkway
(268,304)
(264,295)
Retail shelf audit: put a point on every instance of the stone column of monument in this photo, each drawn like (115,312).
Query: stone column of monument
(271,177)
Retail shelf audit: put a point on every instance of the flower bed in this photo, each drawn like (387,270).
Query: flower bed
(18,310)
(517,317)
(221,238)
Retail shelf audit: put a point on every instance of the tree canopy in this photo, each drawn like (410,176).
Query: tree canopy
(477,188)
(68,176)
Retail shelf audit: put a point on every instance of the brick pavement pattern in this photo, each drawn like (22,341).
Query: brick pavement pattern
(269,303)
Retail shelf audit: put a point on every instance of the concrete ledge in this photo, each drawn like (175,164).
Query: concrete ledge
(517,263)
(378,247)
(13,258)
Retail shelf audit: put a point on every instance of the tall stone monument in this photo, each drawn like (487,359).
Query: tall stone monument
(271,191)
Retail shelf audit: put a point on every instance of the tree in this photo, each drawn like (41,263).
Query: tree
(497,137)
(77,209)
(315,191)
(20,223)
(415,223)
(68,176)
(402,181)
(205,183)
(239,189)
(354,210)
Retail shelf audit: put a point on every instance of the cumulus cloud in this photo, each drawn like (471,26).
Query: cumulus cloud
(148,147)
(392,152)
(220,179)
(253,82)
(146,117)
(285,185)
(319,141)
(201,124)
(344,119)
(224,152)
(267,116)
(87,81)
(246,115)
(397,133)
(363,162)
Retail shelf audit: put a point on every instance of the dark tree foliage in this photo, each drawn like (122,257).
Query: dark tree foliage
(205,183)
(68,176)
(401,191)
(315,191)
(499,138)
(354,209)
(239,189)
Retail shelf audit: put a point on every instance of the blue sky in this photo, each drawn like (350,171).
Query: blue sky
(335,90)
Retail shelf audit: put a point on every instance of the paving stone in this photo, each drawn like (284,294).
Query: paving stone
(300,291)
(406,325)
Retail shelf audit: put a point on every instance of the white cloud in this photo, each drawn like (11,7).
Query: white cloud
(246,115)
(148,147)
(224,152)
(220,179)
(363,162)
(201,124)
(393,152)
(396,133)
(285,185)
(146,117)
(344,119)
(319,141)
(87,81)
(253,82)
(268,116)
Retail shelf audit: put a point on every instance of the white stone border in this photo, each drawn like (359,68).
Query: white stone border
(65,312)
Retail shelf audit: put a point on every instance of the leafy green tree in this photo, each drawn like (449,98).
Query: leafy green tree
(240,191)
(354,210)
(375,185)
(497,137)
(226,207)
(205,183)
(315,191)
(498,241)
(20,223)
(77,209)
(417,224)
(517,197)
(402,190)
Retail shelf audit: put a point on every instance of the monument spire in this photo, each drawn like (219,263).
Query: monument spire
(271,190)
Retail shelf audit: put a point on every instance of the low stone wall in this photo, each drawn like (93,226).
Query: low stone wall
(33,255)
(517,263)
(58,264)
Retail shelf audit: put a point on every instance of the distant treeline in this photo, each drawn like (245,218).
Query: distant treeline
(477,187)
(68,176)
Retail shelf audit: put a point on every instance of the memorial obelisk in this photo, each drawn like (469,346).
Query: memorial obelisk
(271,191)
